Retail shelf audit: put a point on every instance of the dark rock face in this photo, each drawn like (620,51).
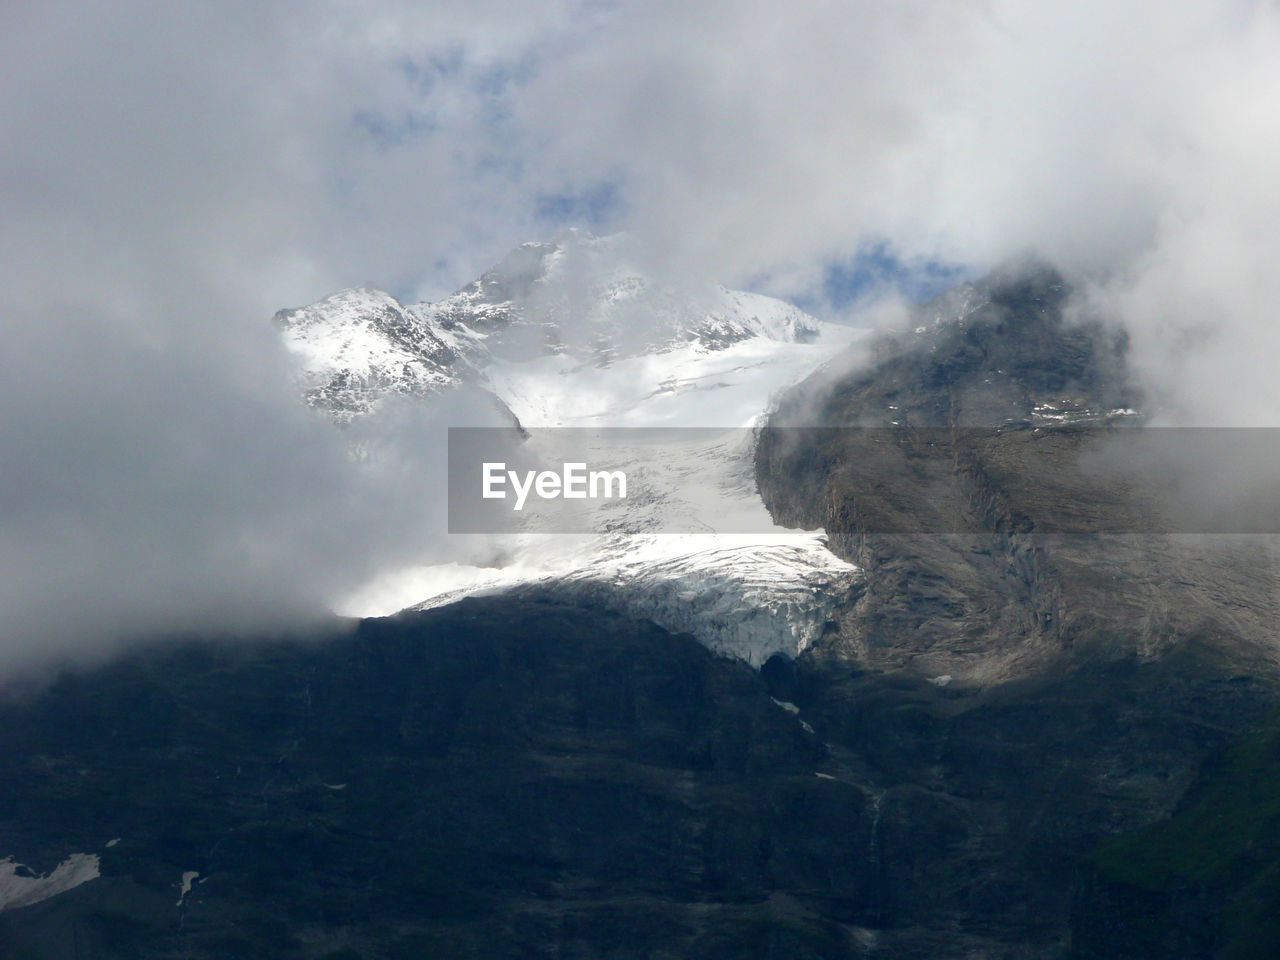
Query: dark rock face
(519,779)
(1204,882)
(494,779)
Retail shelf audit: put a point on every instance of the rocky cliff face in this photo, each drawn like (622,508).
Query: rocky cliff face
(494,779)
(1087,665)
(958,472)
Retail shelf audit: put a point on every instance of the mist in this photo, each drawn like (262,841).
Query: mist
(174,174)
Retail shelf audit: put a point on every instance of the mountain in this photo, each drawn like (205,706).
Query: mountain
(493,779)
(1108,687)
(1000,547)
(568,334)
(1032,722)
(357,347)
(577,296)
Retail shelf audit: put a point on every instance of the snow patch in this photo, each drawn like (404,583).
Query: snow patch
(189,879)
(20,887)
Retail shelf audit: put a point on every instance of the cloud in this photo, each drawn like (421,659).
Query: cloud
(170,180)
(174,173)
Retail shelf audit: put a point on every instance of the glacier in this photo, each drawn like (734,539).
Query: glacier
(571,334)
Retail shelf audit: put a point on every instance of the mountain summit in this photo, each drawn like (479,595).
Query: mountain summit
(578,296)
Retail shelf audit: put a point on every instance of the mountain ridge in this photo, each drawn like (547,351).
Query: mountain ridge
(576,295)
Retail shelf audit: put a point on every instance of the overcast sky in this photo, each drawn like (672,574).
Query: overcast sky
(172,173)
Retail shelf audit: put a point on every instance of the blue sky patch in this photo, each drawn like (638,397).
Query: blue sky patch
(594,207)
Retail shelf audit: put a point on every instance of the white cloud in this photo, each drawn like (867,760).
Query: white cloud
(174,173)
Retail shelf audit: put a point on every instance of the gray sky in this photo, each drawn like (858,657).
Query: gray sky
(172,173)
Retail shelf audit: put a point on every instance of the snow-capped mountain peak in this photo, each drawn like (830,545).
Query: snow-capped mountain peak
(357,346)
(577,296)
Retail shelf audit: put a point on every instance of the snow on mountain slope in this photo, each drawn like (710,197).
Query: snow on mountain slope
(567,335)
(745,594)
(358,346)
(576,297)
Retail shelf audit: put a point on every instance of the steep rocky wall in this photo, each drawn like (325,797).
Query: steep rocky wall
(1028,651)
(955,471)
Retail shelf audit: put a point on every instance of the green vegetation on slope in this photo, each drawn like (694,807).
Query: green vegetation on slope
(1221,846)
